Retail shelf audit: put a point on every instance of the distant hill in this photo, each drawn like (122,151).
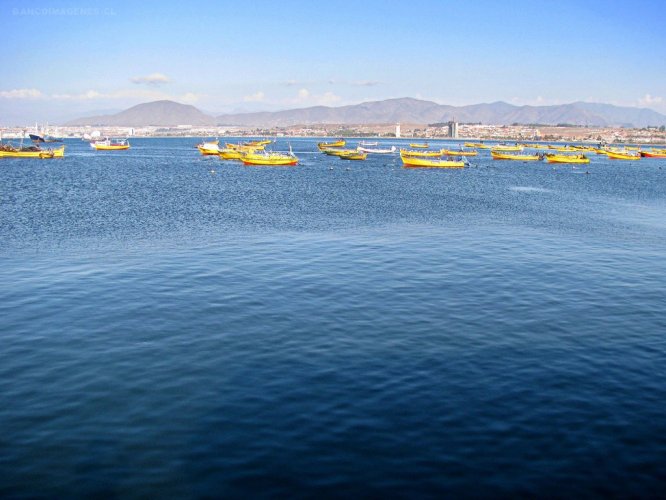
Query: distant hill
(157,113)
(418,111)
(406,110)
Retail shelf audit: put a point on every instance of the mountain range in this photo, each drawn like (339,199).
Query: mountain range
(406,110)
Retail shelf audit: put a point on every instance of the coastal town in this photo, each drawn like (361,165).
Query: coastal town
(451,130)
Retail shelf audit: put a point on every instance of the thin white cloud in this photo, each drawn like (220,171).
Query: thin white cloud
(331,81)
(154,79)
(649,100)
(21,94)
(143,94)
(306,98)
(256,97)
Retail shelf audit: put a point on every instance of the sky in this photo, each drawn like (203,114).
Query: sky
(66,59)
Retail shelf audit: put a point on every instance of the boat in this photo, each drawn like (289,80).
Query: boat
(565,149)
(8,151)
(354,155)
(364,149)
(415,162)
(553,158)
(478,145)
(337,151)
(264,142)
(622,155)
(419,145)
(111,145)
(507,147)
(502,155)
(459,152)
(246,147)
(47,138)
(337,144)
(423,154)
(230,154)
(365,143)
(654,153)
(209,148)
(268,158)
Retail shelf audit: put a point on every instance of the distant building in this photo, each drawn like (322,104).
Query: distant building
(397,130)
(453,129)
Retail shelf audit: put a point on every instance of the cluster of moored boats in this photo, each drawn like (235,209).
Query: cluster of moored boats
(36,151)
(249,153)
(421,156)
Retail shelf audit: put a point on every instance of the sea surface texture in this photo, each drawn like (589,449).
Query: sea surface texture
(173,325)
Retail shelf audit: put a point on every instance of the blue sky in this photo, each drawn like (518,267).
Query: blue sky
(70,58)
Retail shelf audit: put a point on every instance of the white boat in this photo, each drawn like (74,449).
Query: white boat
(365,143)
(362,149)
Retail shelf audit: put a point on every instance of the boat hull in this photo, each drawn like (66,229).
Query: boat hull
(336,144)
(412,162)
(270,162)
(612,155)
(567,159)
(652,154)
(54,153)
(507,156)
(104,147)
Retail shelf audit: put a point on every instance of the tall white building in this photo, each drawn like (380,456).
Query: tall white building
(453,129)
(397,130)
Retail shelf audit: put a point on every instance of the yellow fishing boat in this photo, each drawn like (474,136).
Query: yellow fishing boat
(419,145)
(476,145)
(654,153)
(266,158)
(501,155)
(600,151)
(424,154)
(553,158)
(355,155)
(564,149)
(414,162)
(229,154)
(10,152)
(507,147)
(111,145)
(459,152)
(618,155)
(337,144)
(338,152)
(245,148)
(264,142)
(209,148)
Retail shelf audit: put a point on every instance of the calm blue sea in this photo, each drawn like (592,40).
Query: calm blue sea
(173,325)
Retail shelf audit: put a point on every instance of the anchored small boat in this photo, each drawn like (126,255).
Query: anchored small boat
(415,162)
(364,149)
(502,155)
(337,151)
(354,155)
(111,145)
(366,143)
(7,151)
(654,153)
(268,158)
(424,145)
(422,154)
(553,158)
(326,145)
(229,154)
(623,155)
(459,152)
(507,147)
(209,148)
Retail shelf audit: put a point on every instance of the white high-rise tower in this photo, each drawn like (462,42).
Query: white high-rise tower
(397,130)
